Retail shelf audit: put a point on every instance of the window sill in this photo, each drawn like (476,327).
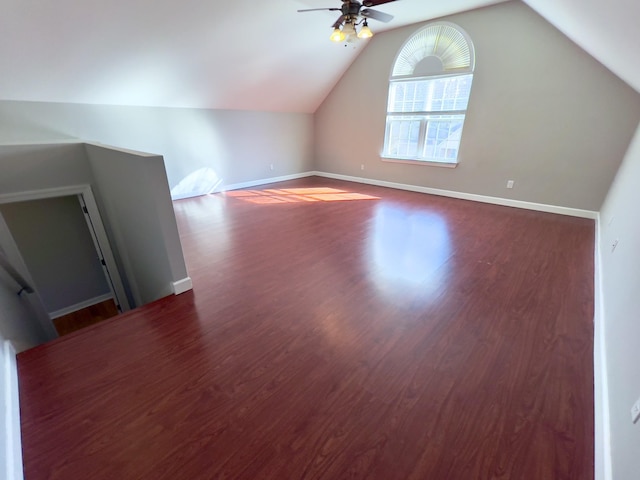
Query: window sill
(411,161)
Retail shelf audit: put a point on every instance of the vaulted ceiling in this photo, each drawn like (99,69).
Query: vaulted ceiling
(606,30)
(236,54)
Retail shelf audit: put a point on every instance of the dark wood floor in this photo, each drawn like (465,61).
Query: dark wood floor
(335,331)
(85,317)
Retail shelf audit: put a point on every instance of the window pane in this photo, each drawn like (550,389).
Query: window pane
(442,139)
(431,95)
(403,136)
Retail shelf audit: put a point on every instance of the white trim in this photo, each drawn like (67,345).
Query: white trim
(603,466)
(80,306)
(103,246)
(182,286)
(415,161)
(508,202)
(263,181)
(45,193)
(11,401)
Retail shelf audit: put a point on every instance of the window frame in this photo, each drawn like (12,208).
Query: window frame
(424,116)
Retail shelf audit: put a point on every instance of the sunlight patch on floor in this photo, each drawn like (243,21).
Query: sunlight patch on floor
(297,195)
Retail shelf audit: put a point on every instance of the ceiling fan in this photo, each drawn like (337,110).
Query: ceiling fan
(351,13)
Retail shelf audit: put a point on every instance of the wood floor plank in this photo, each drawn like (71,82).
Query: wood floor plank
(335,331)
(85,317)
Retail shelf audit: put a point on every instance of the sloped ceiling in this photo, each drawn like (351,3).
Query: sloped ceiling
(234,54)
(608,31)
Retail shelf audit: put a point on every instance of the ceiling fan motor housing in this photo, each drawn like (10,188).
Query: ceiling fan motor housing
(351,9)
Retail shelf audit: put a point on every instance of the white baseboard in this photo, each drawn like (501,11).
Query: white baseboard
(263,181)
(11,455)
(603,466)
(507,202)
(182,286)
(80,306)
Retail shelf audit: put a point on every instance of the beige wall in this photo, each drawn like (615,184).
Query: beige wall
(620,280)
(25,168)
(133,192)
(39,167)
(18,322)
(542,112)
(239,146)
(57,248)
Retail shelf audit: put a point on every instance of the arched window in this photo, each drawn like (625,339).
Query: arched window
(429,91)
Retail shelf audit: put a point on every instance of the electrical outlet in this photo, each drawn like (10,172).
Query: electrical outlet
(509,183)
(362,167)
(614,245)
(635,411)
(271,166)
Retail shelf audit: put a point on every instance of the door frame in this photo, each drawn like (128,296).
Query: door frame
(101,241)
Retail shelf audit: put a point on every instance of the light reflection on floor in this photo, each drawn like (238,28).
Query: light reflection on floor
(296,195)
(204,214)
(409,252)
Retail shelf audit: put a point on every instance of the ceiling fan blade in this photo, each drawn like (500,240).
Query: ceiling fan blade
(376,15)
(318,9)
(338,22)
(374,3)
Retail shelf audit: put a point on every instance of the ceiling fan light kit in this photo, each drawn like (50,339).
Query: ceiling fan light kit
(337,35)
(353,14)
(349,31)
(365,31)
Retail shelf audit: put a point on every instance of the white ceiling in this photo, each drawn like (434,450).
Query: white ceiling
(607,30)
(234,54)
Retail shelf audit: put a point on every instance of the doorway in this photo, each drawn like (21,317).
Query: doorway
(57,239)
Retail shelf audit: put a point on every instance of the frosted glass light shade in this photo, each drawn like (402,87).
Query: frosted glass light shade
(348,29)
(365,32)
(337,35)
